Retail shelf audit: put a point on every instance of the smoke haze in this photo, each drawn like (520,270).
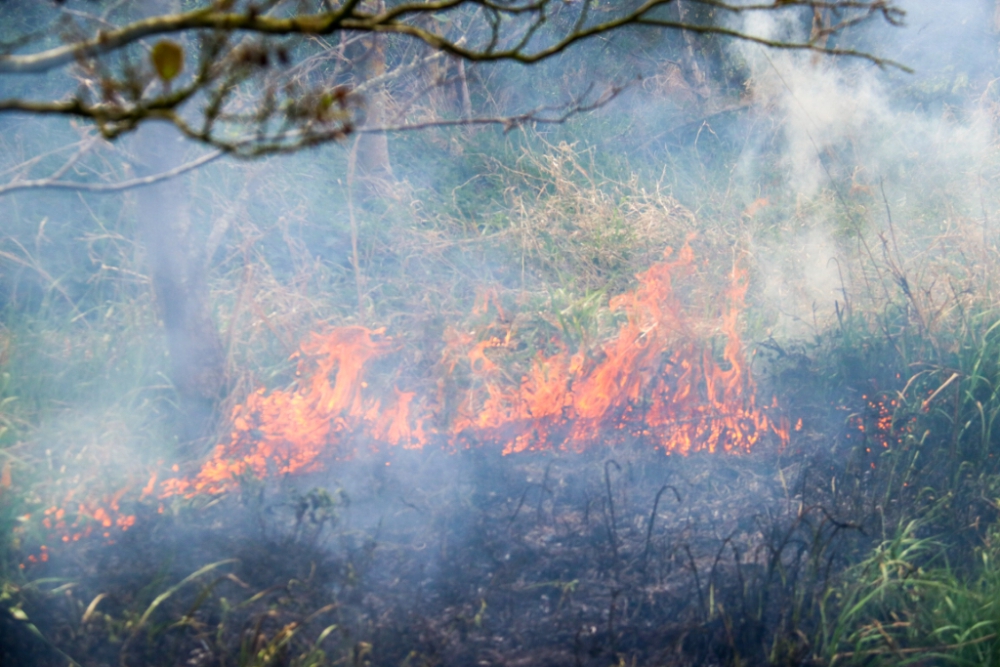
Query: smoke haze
(456,483)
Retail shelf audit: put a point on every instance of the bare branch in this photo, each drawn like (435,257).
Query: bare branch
(27,164)
(287,113)
(393,20)
(53,182)
(638,18)
(539,115)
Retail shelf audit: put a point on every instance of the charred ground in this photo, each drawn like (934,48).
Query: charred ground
(475,559)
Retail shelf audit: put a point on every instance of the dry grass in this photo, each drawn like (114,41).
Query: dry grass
(565,240)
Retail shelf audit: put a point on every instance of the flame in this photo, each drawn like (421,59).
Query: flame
(73,520)
(287,431)
(657,381)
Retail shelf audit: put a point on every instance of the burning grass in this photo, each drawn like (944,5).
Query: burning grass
(472,558)
(484,481)
(468,551)
(656,381)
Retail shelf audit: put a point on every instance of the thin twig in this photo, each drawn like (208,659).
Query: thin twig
(52,182)
(612,527)
(652,518)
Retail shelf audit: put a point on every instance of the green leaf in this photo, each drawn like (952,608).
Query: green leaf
(168,59)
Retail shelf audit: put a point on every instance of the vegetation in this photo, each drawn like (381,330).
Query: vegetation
(236,45)
(868,537)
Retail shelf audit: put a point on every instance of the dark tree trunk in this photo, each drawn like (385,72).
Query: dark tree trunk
(177,272)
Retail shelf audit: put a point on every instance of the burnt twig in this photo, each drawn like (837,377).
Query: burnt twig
(652,518)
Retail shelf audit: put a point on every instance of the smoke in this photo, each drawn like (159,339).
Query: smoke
(849,146)
(830,149)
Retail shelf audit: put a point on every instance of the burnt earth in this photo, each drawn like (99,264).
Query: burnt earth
(620,557)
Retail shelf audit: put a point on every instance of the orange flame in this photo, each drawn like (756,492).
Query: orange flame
(656,381)
(286,431)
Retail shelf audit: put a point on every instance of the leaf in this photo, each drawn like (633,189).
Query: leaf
(92,607)
(173,589)
(168,59)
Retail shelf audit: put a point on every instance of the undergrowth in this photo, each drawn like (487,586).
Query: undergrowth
(877,543)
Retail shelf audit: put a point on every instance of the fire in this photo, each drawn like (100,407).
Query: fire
(287,431)
(74,520)
(655,381)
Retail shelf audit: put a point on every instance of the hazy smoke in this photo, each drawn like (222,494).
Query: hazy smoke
(847,131)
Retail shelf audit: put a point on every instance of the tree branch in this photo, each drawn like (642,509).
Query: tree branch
(539,115)
(347,17)
(53,182)
(289,114)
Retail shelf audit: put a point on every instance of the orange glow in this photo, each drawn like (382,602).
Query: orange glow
(656,381)
(77,520)
(664,378)
(287,431)
(150,485)
(877,422)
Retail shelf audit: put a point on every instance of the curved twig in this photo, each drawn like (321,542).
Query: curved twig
(53,181)
(652,518)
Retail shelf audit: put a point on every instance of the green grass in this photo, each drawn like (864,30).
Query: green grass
(906,605)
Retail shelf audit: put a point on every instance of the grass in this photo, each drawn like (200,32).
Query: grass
(907,605)
(875,543)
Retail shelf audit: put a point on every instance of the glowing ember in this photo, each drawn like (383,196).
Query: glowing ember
(656,382)
(74,520)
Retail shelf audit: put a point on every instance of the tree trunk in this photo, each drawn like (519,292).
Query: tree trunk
(177,272)
(372,150)
(695,77)
(818,34)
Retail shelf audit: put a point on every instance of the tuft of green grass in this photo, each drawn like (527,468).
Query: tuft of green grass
(906,605)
